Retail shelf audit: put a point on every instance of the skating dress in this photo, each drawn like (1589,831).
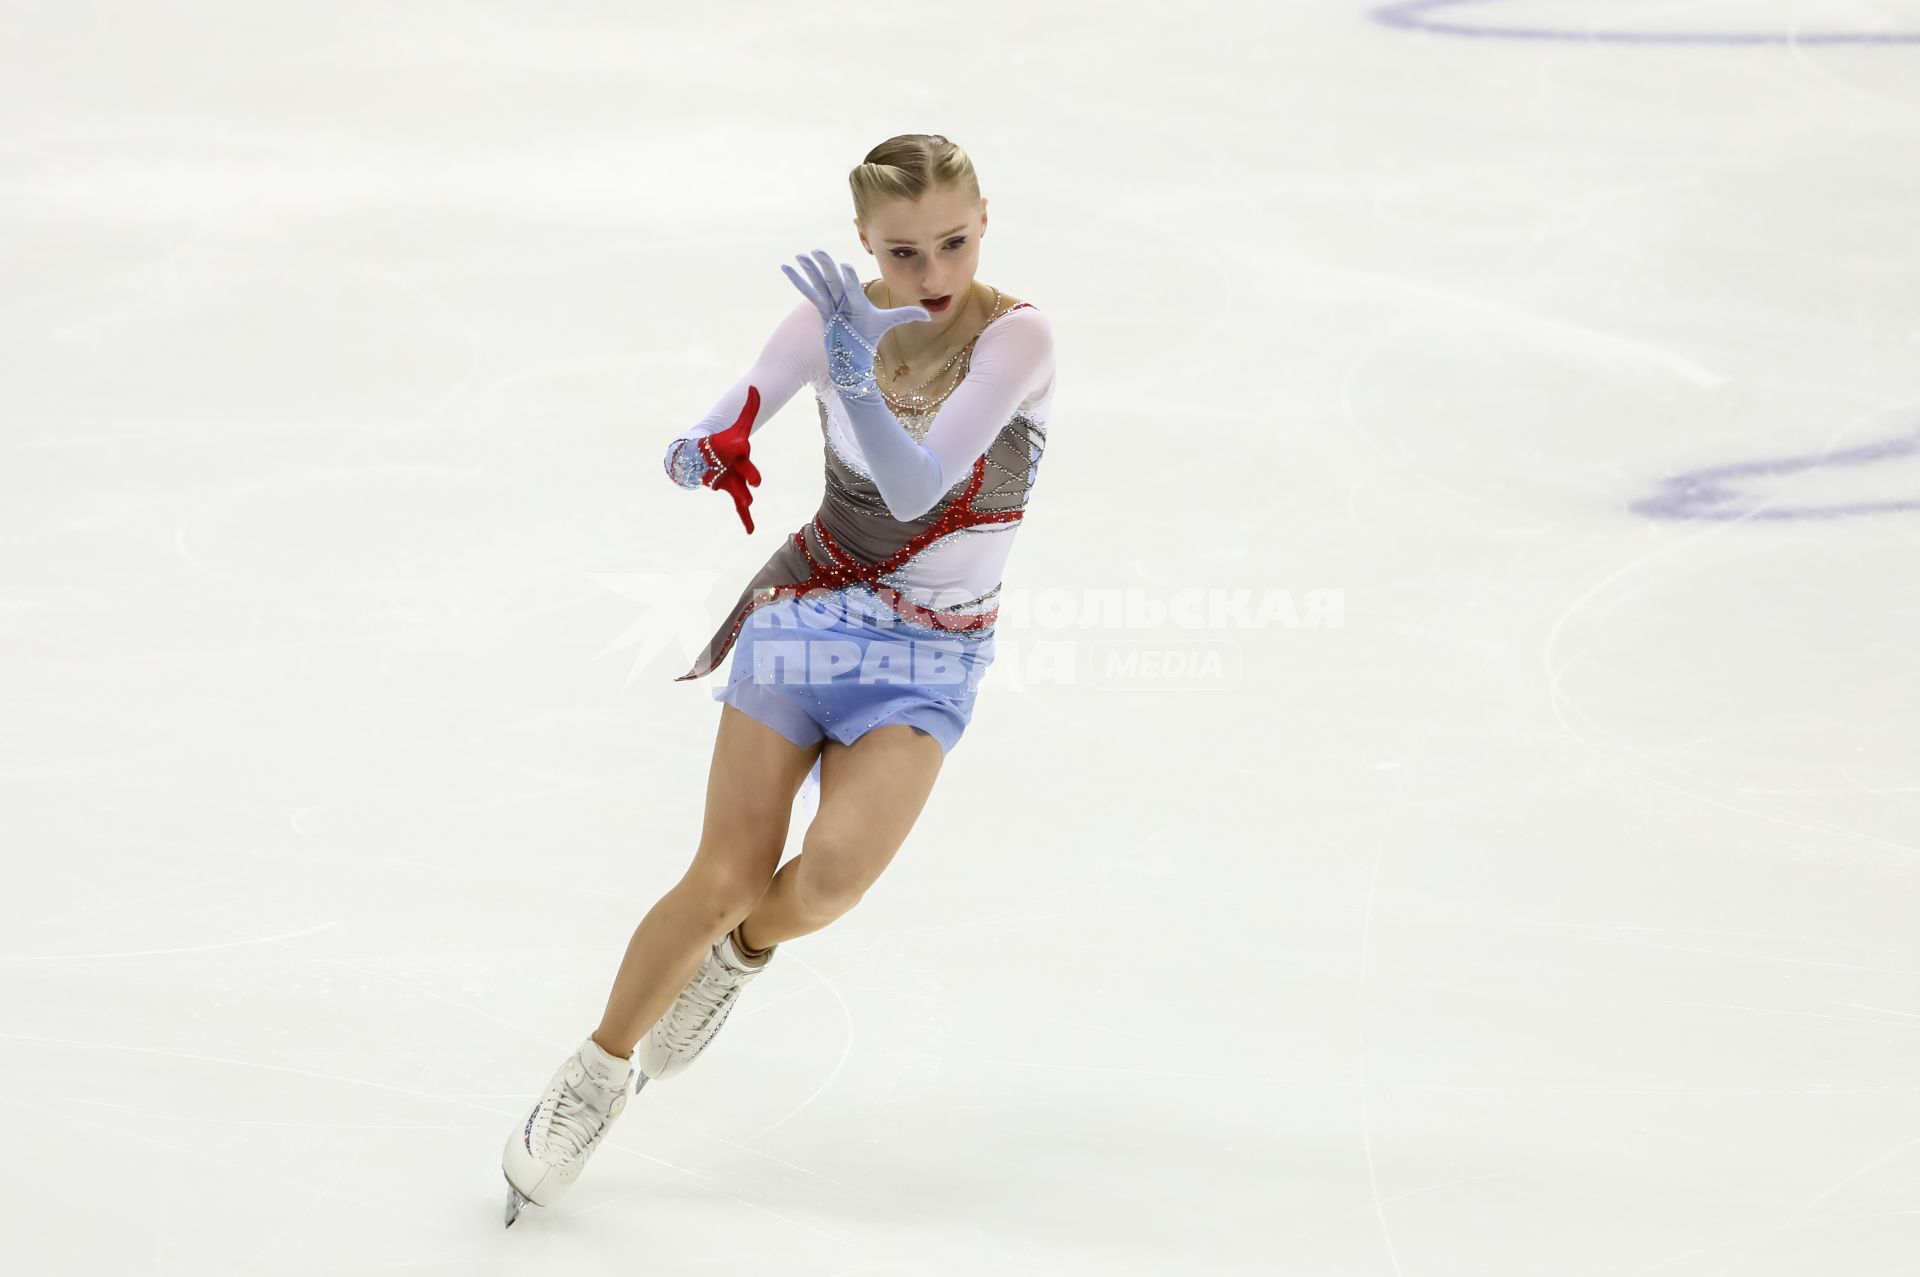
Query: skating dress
(863,618)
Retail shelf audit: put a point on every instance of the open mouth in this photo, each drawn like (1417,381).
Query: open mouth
(937,304)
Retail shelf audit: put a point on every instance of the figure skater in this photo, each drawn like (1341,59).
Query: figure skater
(857,650)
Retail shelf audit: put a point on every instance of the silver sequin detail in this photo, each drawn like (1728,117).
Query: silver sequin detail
(684,464)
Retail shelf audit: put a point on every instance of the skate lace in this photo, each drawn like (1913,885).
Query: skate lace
(574,1119)
(692,1011)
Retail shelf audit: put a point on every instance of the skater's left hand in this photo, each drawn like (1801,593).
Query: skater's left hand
(854,324)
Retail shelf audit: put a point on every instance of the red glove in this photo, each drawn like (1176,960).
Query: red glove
(728,467)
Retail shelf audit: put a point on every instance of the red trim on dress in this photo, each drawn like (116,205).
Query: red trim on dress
(959,514)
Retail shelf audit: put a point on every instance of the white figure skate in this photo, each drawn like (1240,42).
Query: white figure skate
(697,1014)
(546,1153)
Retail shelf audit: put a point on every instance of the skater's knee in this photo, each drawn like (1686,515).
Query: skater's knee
(830,881)
(735,870)
(724,894)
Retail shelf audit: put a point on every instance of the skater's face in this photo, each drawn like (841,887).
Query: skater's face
(927,248)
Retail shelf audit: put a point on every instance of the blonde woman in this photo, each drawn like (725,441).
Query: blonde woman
(857,650)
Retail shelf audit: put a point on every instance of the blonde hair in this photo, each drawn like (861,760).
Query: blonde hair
(906,167)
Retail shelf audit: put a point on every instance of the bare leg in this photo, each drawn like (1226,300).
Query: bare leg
(750,787)
(871,792)
(666,949)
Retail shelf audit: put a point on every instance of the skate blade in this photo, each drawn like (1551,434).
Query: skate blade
(515,1200)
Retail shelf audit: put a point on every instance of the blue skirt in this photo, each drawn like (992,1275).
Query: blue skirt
(841,663)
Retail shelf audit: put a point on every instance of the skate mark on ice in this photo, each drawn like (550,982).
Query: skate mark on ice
(1709,494)
(1411,16)
(278,938)
(1703,790)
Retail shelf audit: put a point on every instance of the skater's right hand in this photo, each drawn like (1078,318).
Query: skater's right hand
(720,460)
(854,325)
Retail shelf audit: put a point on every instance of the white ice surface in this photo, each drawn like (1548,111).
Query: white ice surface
(1549,912)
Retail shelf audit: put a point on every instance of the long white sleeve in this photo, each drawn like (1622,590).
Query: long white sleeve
(786,362)
(1011,358)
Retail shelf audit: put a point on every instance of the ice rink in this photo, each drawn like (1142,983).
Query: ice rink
(1481,840)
